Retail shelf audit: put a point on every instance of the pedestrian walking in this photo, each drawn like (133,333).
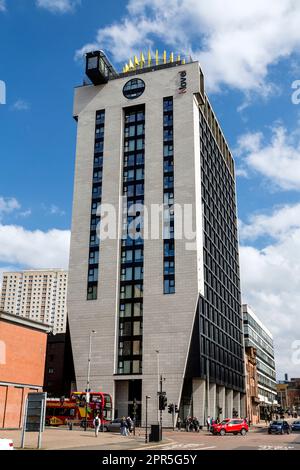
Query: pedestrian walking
(196,424)
(124,427)
(179,423)
(208,423)
(97,424)
(129,423)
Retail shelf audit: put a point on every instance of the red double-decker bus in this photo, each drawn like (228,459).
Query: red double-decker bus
(76,410)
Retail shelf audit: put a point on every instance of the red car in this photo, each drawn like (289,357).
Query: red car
(230,426)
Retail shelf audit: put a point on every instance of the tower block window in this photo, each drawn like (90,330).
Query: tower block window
(168,197)
(94,248)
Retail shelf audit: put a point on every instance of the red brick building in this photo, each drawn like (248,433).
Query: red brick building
(22,364)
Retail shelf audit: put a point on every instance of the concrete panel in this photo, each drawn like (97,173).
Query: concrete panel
(237,403)
(221,402)
(228,402)
(199,397)
(213,401)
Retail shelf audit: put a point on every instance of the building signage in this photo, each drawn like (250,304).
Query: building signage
(34,417)
(183,83)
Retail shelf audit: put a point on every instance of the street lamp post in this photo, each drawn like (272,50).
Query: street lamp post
(146,430)
(158,383)
(87,396)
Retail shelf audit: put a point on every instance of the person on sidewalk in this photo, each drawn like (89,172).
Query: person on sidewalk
(179,423)
(208,423)
(97,424)
(124,427)
(129,424)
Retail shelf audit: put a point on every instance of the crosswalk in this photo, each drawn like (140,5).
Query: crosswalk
(188,446)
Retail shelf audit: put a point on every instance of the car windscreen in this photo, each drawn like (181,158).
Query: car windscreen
(277,423)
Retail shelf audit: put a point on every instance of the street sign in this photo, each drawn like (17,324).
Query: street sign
(34,416)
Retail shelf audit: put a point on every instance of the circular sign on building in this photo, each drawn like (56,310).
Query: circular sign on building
(134,88)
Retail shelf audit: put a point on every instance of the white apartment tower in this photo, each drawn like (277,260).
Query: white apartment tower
(40,295)
(164,303)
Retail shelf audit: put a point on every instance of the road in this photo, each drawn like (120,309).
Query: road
(258,439)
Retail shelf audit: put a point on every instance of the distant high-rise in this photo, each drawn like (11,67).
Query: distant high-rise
(40,295)
(161,303)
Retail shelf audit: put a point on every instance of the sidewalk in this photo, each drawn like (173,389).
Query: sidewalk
(59,439)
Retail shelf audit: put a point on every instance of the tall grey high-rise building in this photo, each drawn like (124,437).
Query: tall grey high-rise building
(38,294)
(161,301)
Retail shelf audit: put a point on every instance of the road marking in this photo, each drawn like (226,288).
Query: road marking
(275,447)
(178,446)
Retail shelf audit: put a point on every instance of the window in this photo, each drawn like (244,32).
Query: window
(168,248)
(169,267)
(125,310)
(169,286)
(134,88)
(92,293)
(126,274)
(94,257)
(168,150)
(137,309)
(168,182)
(138,273)
(169,198)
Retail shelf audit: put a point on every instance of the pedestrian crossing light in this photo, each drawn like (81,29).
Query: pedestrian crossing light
(163,401)
(171,408)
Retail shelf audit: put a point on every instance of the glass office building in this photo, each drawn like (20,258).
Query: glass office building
(259,337)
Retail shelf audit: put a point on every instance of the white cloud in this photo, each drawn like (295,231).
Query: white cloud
(277,225)
(271,279)
(21,105)
(278,158)
(34,249)
(58,6)
(237,40)
(2,5)
(8,205)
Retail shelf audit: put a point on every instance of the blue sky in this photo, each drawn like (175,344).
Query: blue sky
(250,54)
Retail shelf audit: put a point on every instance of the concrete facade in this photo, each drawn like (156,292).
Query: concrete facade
(39,295)
(168,320)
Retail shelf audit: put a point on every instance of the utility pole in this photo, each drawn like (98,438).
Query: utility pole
(146,427)
(160,411)
(87,396)
(158,382)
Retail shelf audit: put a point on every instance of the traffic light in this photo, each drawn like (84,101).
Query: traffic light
(176,409)
(171,408)
(163,401)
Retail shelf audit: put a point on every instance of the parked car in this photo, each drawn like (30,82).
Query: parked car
(6,444)
(279,427)
(230,426)
(114,426)
(296,426)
